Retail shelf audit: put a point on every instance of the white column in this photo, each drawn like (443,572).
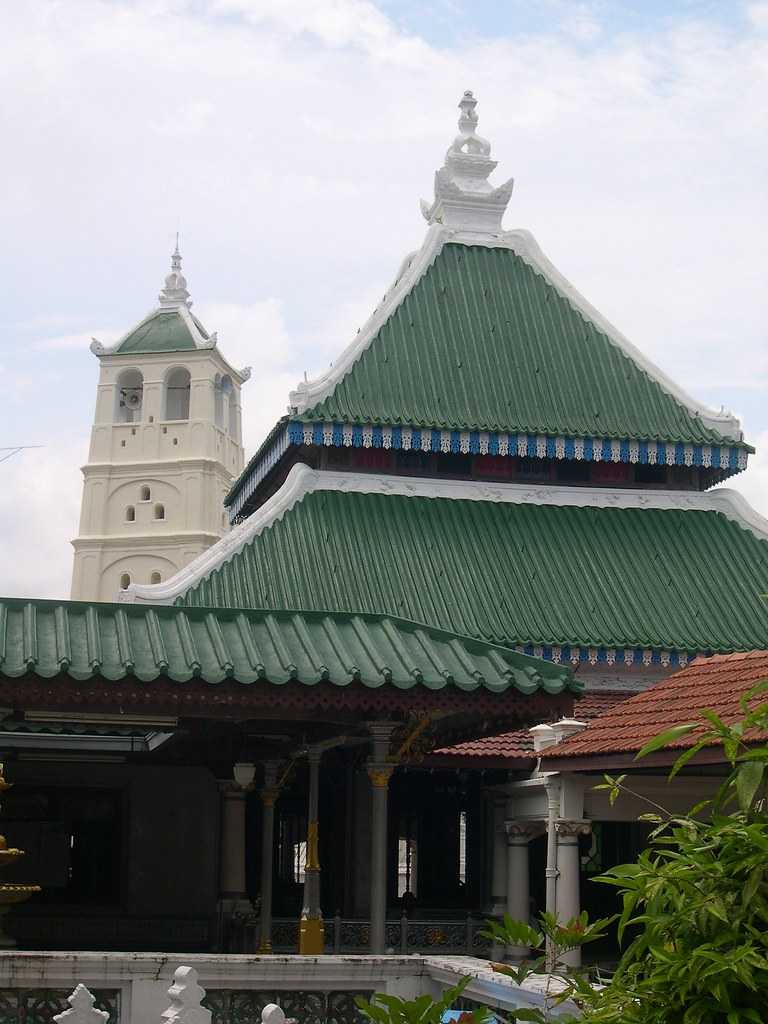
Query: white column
(379,772)
(311,931)
(268,794)
(519,835)
(569,876)
(232,877)
(499,864)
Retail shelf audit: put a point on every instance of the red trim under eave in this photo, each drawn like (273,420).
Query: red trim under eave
(231,699)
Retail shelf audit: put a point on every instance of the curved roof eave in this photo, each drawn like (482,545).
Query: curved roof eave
(302,480)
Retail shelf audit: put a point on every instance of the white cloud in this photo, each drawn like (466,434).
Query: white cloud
(758,15)
(39,509)
(76,342)
(291,140)
(753,483)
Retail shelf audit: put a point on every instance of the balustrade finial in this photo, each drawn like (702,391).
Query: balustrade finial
(81,1009)
(186,999)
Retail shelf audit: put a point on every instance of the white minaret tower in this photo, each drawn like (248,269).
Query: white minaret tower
(165,447)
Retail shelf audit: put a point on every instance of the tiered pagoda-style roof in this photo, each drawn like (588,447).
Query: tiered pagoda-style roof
(570,573)
(482,348)
(313,669)
(491,456)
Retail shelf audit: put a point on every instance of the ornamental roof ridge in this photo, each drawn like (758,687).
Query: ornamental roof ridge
(301,480)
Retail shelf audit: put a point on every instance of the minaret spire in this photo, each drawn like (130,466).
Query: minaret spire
(464,198)
(175,293)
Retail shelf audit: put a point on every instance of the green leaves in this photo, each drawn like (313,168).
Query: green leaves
(665,738)
(512,933)
(749,777)
(386,1009)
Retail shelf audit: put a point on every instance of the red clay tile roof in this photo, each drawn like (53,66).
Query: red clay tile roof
(715,683)
(592,703)
(507,744)
(519,743)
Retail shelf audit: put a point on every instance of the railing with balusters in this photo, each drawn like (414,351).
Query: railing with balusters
(132,988)
(456,936)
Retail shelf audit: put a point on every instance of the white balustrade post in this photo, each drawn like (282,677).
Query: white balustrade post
(81,1009)
(186,998)
(274,1014)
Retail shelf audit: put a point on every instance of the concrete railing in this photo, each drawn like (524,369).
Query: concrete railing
(125,988)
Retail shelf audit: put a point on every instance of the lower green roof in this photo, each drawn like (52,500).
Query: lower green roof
(115,641)
(514,574)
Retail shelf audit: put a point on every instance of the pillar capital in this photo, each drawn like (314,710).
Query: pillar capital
(572,829)
(270,791)
(520,833)
(230,790)
(380,774)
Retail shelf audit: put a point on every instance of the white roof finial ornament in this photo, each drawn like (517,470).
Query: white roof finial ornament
(175,293)
(464,198)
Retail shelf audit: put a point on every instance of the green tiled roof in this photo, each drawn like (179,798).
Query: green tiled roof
(511,573)
(484,342)
(161,332)
(114,641)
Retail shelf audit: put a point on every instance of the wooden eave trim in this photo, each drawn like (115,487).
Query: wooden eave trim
(231,699)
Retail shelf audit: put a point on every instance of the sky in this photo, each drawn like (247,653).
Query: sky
(289,142)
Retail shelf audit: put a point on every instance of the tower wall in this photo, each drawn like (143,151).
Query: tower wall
(155,479)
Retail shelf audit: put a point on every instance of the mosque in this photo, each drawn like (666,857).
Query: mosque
(299,703)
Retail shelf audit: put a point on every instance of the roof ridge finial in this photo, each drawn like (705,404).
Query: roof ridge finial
(464,198)
(175,293)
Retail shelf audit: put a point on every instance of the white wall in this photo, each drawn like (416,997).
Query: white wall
(189,466)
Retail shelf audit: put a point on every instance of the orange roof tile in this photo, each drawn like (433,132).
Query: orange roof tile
(716,683)
(519,743)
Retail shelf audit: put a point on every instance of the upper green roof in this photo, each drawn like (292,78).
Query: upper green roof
(115,641)
(540,574)
(163,331)
(483,341)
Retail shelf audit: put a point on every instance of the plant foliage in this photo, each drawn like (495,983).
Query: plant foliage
(386,1009)
(698,894)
